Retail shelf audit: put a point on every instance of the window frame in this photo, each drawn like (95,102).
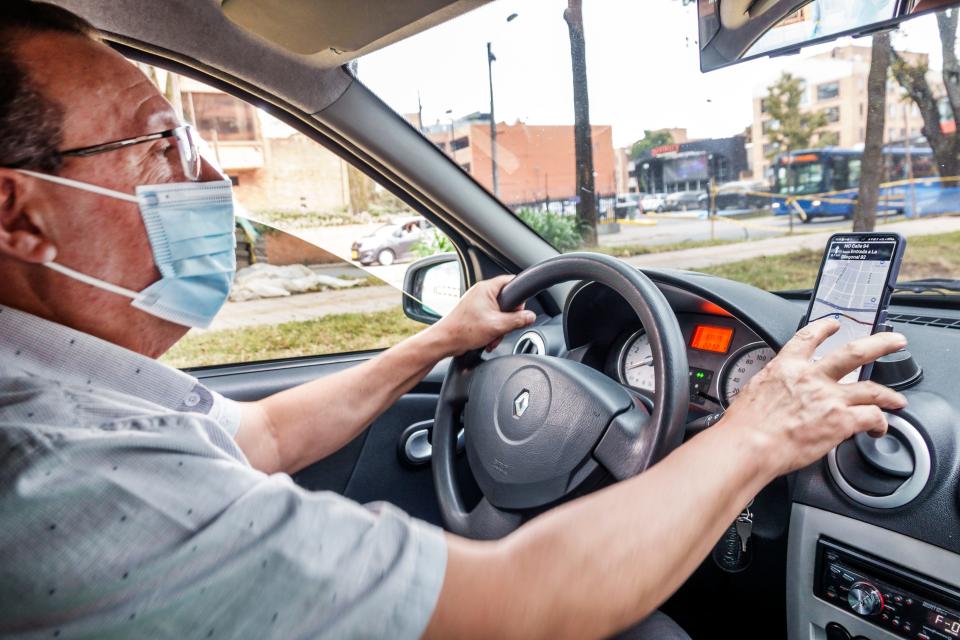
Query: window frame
(834,96)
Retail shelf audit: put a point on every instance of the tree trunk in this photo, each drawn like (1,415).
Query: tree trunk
(947,26)
(946,148)
(913,80)
(361,188)
(583,140)
(865,211)
(172,93)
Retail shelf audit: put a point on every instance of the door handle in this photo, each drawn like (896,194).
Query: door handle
(416,447)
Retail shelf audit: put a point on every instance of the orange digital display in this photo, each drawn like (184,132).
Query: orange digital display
(711,338)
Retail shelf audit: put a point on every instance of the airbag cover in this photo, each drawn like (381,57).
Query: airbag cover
(531,425)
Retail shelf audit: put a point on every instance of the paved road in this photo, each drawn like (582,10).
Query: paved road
(665,229)
(766,241)
(337,240)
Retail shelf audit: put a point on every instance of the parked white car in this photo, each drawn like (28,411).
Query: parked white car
(653,202)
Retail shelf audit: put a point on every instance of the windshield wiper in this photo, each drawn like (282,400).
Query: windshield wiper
(943,286)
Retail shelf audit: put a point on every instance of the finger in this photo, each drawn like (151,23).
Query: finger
(872,393)
(860,352)
(493,345)
(869,419)
(806,341)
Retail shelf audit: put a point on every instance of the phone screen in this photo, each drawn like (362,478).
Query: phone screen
(851,288)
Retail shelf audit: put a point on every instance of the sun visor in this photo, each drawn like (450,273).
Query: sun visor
(333,31)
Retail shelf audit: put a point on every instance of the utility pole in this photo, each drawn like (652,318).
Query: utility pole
(582,134)
(493,123)
(909,158)
(791,185)
(419,113)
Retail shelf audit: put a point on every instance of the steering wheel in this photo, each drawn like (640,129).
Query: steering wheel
(539,429)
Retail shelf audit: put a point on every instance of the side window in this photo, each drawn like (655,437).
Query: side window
(321,249)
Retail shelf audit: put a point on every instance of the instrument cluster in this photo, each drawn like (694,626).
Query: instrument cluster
(722,353)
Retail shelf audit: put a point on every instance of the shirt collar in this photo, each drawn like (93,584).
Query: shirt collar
(38,347)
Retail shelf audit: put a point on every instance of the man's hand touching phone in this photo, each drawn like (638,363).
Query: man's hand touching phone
(799,406)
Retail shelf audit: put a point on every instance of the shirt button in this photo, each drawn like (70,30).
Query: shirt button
(192,399)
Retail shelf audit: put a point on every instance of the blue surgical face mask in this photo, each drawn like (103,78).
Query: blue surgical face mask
(190,226)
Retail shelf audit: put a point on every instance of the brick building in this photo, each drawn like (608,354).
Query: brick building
(536,163)
(279,169)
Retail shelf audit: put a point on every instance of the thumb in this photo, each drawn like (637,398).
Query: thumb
(499,282)
(523,318)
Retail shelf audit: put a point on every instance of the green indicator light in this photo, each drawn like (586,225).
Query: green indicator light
(700,374)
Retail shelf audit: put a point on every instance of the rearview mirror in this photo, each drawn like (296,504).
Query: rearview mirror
(733,31)
(432,287)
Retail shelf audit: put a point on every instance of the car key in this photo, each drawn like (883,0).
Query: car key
(744,525)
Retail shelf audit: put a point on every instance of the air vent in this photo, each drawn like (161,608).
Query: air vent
(530,343)
(926,321)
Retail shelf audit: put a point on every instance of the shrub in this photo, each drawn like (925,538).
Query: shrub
(556,228)
(431,243)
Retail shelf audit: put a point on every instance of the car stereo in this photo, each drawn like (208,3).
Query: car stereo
(896,599)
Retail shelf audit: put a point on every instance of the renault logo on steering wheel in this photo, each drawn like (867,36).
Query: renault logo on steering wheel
(520,403)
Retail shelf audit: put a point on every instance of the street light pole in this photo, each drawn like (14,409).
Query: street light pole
(449,114)
(493,123)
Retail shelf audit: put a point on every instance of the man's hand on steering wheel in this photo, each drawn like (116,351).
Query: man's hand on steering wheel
(477,320)
(799,406)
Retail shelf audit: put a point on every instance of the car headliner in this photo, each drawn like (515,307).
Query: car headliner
(332,31)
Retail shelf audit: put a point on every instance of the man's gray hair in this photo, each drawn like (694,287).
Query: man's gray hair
(31,125)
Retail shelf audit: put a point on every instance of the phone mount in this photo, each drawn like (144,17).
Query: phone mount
(897,370)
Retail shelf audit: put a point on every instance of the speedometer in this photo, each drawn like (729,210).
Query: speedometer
(636,363)
(745,363)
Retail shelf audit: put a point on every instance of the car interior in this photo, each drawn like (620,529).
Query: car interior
(867,520)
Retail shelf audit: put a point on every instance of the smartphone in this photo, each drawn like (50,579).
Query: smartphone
(856,279)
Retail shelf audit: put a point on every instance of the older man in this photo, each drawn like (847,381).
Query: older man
(138,503)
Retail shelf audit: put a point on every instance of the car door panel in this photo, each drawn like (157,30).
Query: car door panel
(369,468)
(381,474)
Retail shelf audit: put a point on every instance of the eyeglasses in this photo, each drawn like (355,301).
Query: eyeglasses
(183,135)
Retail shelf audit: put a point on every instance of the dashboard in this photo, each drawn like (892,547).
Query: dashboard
(899,533)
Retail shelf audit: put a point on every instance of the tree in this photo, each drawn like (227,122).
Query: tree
(865,210)
(913,79)
(583,139)
(790,127)
(650,140)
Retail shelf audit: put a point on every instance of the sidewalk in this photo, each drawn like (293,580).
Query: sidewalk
(709,256)
(305,306)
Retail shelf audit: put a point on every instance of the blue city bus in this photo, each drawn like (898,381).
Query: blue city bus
(825,182)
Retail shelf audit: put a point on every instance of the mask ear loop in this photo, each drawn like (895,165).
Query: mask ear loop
(103,191)
(95,282)
(83,186)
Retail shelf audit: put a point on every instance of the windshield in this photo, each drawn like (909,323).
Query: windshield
(800,178)
(564,139)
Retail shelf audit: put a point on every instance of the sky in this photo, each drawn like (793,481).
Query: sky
(642,67)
